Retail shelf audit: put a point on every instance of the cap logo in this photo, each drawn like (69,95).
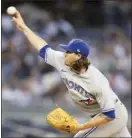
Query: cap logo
(78,50)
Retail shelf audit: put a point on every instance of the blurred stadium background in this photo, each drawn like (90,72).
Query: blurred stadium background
(30,88)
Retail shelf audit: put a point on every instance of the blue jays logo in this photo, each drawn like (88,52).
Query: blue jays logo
(87,101)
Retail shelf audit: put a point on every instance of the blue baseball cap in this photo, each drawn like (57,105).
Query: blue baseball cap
(77,46)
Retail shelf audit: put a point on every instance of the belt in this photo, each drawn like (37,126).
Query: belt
(93,115)
(116,100)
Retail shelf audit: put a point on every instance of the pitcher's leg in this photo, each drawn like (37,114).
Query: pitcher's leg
(123,133)
(82,133)
(106,130)
(100,131)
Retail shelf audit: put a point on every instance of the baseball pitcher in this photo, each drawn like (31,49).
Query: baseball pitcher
(88,88)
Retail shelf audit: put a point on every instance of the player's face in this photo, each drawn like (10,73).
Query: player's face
(71,57)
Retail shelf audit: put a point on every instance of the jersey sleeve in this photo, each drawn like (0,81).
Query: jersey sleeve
(105,99)
(51,56)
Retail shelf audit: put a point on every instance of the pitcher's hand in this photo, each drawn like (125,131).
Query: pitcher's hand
(18,21)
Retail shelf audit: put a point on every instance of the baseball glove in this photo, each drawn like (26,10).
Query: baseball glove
(61,120)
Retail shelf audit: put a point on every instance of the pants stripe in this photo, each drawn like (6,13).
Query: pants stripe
(89,132)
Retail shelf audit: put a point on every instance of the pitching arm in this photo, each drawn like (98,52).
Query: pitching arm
(35,40)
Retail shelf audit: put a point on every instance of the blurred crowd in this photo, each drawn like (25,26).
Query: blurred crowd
(24,73)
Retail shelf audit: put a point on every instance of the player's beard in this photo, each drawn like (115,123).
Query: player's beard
(76,66)
(80,64)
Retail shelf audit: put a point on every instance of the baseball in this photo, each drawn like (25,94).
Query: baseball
(11,10)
